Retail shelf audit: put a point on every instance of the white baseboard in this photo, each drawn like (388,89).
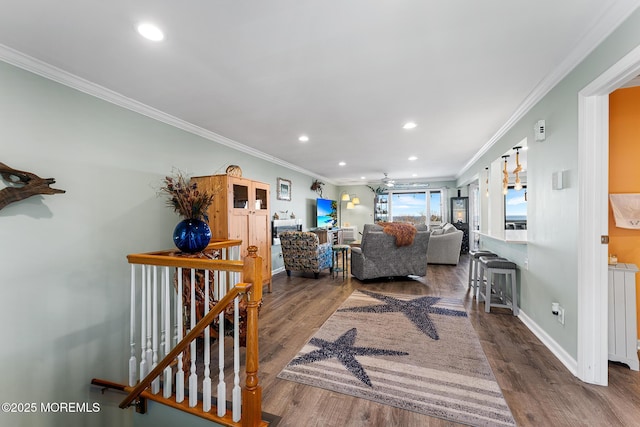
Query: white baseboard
(565,358)
(277,270)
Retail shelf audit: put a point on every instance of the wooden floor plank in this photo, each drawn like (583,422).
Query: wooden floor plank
(539,390)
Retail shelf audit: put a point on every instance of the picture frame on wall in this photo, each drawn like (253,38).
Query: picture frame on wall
(284,189)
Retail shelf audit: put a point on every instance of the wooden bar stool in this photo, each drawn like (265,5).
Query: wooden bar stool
(496,294)
(474,267)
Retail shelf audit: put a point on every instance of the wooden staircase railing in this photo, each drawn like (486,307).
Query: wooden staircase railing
(251,286)
(182,345)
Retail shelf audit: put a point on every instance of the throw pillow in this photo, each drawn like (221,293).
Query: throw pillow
(449,228)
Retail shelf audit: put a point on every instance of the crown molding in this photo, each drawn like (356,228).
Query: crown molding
(50,72)
(609,22)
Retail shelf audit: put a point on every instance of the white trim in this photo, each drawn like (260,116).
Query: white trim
(593,178)
(26,62)
(555,348)
(605,26)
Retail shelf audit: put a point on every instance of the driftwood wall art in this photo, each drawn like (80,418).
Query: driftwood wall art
(23,185)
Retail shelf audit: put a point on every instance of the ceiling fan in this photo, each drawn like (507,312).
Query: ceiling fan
(388,181)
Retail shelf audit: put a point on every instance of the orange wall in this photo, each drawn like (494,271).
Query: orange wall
(624,171)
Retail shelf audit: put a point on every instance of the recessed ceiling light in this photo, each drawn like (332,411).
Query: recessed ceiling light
(363,177)
(414,175)
(150,32)
(409,125)
(412,158)
(342,163)
(303,138)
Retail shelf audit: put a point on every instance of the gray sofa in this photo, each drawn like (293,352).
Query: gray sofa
(444,245)
(378,256)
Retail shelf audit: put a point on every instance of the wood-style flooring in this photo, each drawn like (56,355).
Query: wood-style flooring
(539,390)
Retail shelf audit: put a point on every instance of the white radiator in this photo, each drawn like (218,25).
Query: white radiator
(349,233)
(623,334)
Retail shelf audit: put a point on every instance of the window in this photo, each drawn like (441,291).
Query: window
(515,209)
(412,207)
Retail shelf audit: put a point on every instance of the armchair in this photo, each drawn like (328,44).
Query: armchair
(444,245)
(302,251)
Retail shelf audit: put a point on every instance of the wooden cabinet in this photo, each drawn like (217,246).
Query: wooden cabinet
(241,210)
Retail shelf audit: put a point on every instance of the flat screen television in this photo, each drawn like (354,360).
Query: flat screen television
(326,213)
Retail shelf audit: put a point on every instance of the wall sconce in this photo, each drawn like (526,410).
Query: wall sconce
(505,176)
(518,169)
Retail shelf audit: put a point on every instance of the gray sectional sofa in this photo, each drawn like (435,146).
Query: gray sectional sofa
(378,256)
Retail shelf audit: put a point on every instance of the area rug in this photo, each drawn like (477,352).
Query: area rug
(418,353)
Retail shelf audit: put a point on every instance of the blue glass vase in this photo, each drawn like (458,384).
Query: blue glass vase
(191,235)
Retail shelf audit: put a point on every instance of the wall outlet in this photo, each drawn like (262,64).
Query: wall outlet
(561,315)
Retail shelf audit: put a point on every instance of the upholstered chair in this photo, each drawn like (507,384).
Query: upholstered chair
(303,252)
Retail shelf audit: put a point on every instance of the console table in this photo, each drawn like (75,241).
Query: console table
(333,235)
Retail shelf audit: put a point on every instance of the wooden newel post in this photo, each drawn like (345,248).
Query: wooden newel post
(252,393)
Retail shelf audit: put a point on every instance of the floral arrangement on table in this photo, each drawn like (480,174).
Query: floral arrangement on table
(192,234)
(185,198)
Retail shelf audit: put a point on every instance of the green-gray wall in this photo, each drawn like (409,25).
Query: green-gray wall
(64,275)
(553,215)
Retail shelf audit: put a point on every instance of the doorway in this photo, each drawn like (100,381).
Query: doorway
(593,172)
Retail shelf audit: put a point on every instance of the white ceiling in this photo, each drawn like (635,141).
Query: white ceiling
(349,73)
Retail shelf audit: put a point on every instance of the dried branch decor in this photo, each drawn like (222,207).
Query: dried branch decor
(22,185)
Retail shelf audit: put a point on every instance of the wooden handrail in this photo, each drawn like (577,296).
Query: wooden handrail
(186,263)
(171,258)
(240,288)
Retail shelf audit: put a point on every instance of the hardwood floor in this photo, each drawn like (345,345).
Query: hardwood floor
(539,390)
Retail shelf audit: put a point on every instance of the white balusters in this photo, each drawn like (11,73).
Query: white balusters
(132,329)
(155,385)
(193,378)
(143,325)
(149,353)
(179,323)
(157,323)
(206,383)
(222,387)
(166,332)
(237,392)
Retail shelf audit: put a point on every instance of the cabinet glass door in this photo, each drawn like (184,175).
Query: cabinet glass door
(240,196)
(261,199)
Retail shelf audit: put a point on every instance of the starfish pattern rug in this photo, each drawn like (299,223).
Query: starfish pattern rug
(418,353)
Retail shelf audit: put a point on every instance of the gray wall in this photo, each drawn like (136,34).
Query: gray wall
(553,215)
(64,276)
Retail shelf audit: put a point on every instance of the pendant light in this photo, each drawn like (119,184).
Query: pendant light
(518,169)
(487,182)
(505,176)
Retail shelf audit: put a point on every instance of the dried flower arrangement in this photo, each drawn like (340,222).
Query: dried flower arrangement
(185,198)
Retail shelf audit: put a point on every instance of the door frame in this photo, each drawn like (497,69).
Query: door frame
(593,220)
